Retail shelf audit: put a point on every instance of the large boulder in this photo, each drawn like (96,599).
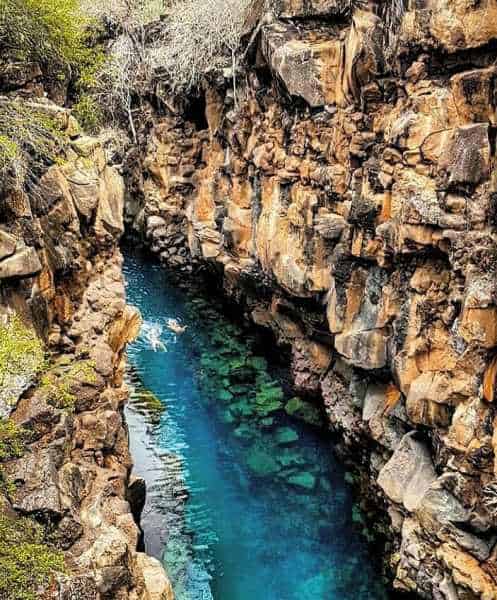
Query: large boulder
(110,210)
(407,476)
(8,244)
(156,585)
(36,480)
(307,64)
(24,263)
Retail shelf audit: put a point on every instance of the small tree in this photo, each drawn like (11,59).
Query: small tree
(181,41)
(197,37)
(128,68)
(53,33)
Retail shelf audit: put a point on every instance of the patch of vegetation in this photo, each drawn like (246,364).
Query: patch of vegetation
(22,358)
(30,140)
(88,113)
(12,444)
(12,439)
(58,384)
(62,39)
(9,152)
(52,33)
(27,564)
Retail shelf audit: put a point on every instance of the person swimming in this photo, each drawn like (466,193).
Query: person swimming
(175,325)
(153,333)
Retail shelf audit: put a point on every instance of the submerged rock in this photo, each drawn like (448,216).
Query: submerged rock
(262,462)
(303,480)
(290,457)
(296,407)
(286,435)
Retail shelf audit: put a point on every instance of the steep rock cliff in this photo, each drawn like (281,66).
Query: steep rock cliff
(346,195)
(60,275)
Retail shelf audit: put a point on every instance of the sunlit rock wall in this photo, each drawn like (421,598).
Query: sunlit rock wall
(347,193)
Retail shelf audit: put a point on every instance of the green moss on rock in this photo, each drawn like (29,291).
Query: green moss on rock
(27,564)
(12,439)
(12,443)
(58,384)
(22,358)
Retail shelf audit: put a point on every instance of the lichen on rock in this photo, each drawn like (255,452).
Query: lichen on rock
(22,358)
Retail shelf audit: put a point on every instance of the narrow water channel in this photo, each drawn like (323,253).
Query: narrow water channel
(245,498)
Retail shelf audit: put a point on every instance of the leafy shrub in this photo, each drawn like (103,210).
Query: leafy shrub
(26,563)
(53,33)
(60,37)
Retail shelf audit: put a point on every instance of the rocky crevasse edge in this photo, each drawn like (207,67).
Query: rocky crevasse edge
(61,273)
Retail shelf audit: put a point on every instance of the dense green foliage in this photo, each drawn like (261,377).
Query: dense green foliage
(60,37)
(26,563)
(53,33)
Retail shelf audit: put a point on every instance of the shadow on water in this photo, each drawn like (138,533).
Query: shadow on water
(245,498)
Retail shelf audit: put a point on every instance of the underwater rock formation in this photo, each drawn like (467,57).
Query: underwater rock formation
(348,200)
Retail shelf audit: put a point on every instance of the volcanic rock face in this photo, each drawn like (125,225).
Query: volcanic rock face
(348,196)
(60,272)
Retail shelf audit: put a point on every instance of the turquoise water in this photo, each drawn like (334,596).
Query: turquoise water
(245,501)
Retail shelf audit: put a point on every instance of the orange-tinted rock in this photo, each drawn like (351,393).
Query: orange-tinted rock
(307,65)
(452,25)
(349,201)
(489,380)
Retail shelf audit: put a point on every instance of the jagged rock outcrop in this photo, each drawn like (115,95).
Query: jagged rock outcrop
(61,273)
(348,200)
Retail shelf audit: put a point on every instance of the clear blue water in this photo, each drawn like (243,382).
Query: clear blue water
(241,505)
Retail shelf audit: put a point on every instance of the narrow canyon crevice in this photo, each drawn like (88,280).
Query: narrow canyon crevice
(348,208)
(337,185)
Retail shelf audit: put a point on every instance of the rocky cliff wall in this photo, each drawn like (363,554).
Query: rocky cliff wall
(60,276)
(347,195)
